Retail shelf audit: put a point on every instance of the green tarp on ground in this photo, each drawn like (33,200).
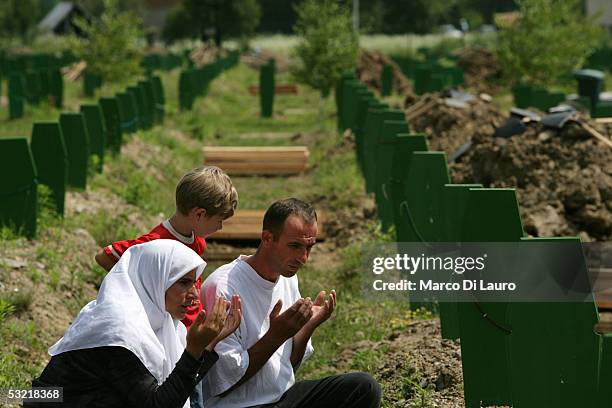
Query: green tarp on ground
(51,158)
(18,195)
(77,146)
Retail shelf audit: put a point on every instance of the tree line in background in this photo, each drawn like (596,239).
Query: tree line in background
(235,18)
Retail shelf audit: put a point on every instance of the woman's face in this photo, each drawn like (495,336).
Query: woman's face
(181,295)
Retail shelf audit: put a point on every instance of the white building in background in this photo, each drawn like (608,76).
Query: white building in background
(603,6)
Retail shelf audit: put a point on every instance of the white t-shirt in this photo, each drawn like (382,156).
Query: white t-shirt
(258,297)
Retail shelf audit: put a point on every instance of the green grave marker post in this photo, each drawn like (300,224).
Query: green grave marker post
(141,108)
(386,144)
(492,215)
(160,99)
(456,197)
(51,158)
(77,146)
(346,76)
(96,129)
(112,122)
(553,352)
(372,128)
(386,80)
(267,88)
(186,90)
(421,210)
(56,88)
(16,95)
(18,195)
(33,87)
(149,99)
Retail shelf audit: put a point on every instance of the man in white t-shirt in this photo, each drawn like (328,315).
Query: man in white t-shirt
(257,362)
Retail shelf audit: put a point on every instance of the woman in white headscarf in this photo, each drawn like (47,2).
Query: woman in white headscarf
(128,347)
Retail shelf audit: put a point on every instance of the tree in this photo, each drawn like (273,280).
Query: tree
(327,46)
(112,47)
(228,18)
(18,18)
(549,40)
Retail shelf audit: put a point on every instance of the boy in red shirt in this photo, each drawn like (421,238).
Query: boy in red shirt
(205,197)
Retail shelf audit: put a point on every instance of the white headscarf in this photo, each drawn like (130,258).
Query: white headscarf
(130,310)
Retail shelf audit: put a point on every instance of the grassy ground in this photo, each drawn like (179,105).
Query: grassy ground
(58,276)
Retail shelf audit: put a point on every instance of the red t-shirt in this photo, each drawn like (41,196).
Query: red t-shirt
(164,231)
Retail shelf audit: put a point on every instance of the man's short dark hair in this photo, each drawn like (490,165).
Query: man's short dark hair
(278,212)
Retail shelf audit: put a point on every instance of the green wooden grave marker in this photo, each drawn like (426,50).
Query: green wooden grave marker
(51,158)
(77,146)
(96,129)
(112,123)
(18,195)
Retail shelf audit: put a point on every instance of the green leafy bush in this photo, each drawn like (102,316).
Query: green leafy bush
(112,46)
(328,46)
(547,41)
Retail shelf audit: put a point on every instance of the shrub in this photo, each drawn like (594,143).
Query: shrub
(112,46)
(548,40)
(328,46)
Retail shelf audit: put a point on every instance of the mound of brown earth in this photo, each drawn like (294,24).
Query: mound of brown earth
(481,69)
(369,70)
(255,58)
(563,178)
(449,127)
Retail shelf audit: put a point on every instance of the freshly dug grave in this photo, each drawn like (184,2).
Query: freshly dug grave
(447,127)
(481,69)
(369,70)
(563,178)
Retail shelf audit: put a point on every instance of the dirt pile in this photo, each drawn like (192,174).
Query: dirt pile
(256,57)
(369,70)
(419,368)
(448,127)
(481,69)
(563,178)
(206,54)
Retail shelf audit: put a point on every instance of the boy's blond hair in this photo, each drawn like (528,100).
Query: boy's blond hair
(206,187)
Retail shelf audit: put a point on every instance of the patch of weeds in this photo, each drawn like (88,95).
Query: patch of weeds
(415,389)
(367,360)
(106,227)
(55,277)
(6,309)
(35,275)
(47,211)
(16,302)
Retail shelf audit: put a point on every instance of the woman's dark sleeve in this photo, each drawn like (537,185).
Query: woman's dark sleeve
(129,377)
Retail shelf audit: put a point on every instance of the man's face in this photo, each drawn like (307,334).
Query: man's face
(292,248)
(181,295)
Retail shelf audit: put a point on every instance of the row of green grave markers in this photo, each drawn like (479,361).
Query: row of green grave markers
(194,82)
(33,79)
(429,75)
(518,354)
(60,152)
